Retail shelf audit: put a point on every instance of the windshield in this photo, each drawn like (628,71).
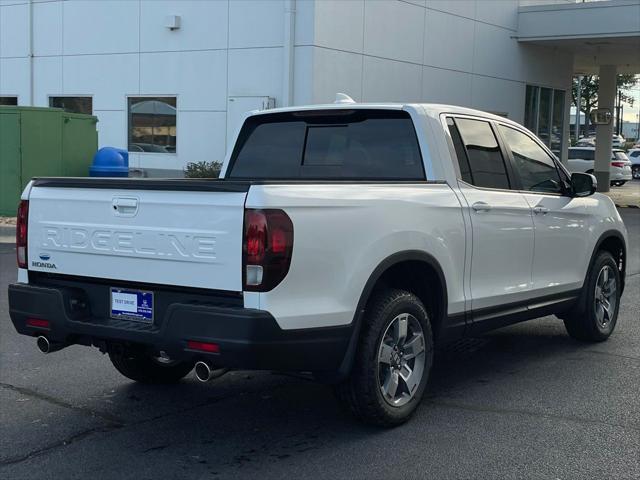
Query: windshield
(620,156)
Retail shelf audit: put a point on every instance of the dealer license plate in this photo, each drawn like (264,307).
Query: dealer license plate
(132,305)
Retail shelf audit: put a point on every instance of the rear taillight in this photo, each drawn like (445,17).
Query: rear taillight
(21,233)
(266,248)
(37,323)
(203,346)
(617,164)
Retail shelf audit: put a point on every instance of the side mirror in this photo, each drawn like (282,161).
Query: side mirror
(583,184)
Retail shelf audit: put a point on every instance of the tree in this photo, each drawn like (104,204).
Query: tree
(589,96)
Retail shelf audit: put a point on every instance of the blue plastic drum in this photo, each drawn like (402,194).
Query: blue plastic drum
(110,162)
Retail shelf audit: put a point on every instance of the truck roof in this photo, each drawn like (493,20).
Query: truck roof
(430,109)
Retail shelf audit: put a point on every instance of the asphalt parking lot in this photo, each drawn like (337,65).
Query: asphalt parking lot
(522,402)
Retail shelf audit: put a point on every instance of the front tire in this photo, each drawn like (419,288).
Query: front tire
(144,368)
(595,319)
(393,360)
(635,171)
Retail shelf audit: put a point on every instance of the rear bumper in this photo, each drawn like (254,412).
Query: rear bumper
(621,174)
(247,338)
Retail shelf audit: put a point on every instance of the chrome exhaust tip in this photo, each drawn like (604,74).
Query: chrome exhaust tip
(203,371)
(206,371)
(43,344)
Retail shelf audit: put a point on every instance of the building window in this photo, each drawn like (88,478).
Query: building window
(544,115)
(152,124)
(11,101)
(73,104)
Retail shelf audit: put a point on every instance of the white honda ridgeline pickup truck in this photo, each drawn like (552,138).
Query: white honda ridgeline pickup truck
(342,240)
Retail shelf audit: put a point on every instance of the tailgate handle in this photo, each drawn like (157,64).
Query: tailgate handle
(125,206)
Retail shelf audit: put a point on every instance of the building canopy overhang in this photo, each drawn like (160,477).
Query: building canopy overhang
(596,33)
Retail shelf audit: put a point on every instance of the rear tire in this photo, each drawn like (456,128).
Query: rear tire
(595,318)
(143,368)
(393,360)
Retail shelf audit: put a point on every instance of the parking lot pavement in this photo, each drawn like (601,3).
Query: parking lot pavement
(522,402)
(626,196)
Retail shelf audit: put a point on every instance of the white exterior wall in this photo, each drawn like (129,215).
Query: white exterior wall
(459,52)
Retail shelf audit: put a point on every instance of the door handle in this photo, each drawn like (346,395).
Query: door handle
(542,210)
(481,207)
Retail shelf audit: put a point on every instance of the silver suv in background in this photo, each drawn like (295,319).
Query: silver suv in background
(582,159)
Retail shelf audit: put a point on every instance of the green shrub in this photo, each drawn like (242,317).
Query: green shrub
(202,170)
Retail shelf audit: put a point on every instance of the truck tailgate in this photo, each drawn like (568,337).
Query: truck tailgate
(125,231)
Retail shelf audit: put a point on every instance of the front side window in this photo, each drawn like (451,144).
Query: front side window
(73,104)
(479,156)
(152,124)
(335,144)
(537,170)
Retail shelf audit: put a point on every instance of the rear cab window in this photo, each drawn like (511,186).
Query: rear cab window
(358,144)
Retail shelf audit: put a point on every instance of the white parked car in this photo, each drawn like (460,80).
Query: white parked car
(634,157)
(582,159)
(618,141)
(588,141)
(341,240)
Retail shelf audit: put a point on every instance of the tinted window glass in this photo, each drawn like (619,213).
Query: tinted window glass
(356,144)
(269,150)
(326,145)
(73,104)
(635,154)
(483,154)
(463,161)
(538,172)
(10,101)
(152,124)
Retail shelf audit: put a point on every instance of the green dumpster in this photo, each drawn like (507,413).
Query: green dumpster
(37,142)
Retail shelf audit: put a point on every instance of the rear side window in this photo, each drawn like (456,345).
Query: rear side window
(334,144)
(479,156)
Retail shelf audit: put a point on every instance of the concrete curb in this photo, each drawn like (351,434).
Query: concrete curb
(6,230)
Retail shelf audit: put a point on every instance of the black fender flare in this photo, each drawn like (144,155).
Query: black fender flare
(374,277)
(604,236)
